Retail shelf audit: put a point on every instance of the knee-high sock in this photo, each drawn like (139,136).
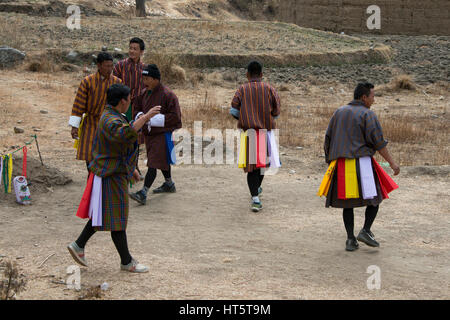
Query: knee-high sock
(85,235)
(349,222)
(167,175)
(254,182)
(120,241)
(150,177)
(261,177)
(371,213)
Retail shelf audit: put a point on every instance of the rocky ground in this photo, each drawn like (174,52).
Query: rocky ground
(425,58)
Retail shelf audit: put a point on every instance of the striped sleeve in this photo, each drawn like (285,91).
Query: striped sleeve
(120,132)
(327,142)
(236,102)
(275,103)
(81,98)
(117,71)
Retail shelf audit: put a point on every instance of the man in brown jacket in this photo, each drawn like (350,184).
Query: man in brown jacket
(158,131)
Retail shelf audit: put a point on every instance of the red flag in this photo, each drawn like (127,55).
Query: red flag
(341,178)
(24,163)
(386,183)
(261,147)
(83,208)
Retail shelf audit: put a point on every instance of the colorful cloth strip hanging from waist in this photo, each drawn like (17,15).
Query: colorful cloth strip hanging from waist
(326,181)
(171,157)
(347,179)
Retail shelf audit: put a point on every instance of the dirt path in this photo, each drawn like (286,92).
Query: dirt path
(204,243)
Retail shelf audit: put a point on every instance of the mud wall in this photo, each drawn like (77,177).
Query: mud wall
(413,17)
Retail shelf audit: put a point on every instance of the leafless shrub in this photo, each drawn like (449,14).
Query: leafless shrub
(45,66)
(13,283)
(93,292)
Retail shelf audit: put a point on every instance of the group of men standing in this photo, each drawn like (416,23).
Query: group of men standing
(115,110)
(125,105)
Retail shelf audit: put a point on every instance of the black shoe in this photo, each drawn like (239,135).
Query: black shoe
(351,245)
(139,196)
(166,188)
(368,238)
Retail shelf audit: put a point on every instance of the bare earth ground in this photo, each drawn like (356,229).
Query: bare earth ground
(203,242)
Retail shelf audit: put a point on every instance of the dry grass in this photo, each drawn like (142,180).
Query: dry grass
(207,110)
(403,130)
(204,43)
(10,36)
(403,82)
(171,72)
(398,83)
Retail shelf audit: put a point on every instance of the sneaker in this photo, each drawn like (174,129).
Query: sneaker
(165,187)
(134,267)
(368,238)
(77,254)
(256,206)
(351,245)
(259,190)
(139,196)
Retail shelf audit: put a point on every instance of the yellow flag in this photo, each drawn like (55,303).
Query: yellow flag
(351,180)
(76,143)
(326,181)
(243,150)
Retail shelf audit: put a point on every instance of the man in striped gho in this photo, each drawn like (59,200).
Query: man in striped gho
(89,104)
(105,201)
(353,136)
(129,70)
(255,105)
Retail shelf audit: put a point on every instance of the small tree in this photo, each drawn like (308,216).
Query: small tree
(140,8)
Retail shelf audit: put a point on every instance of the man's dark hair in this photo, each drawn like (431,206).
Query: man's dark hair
(116,93)
(104,56)
(254,69)
(140,42)
(362,89)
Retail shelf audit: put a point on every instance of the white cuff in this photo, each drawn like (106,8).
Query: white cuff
(74,121)
(158,121)
(138,115)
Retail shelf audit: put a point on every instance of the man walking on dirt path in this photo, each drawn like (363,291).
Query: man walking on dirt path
(255,105)
(353,137)
(113,166)
(89,104)
(158,132)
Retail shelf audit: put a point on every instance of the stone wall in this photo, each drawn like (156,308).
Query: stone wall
(413,17)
